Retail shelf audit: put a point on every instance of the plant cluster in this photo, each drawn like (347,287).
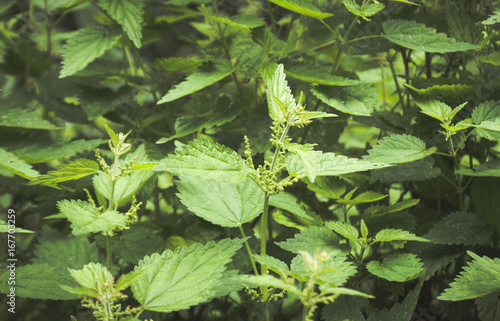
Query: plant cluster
(298,160)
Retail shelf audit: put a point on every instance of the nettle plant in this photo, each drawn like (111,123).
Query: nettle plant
(284,159)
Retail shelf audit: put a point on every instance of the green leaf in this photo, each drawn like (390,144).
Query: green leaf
(85,218)
(86,45)
(272,263)
(315,74)
(397,149)
(15,165)
(128,249)
(435,109)
(329,164)
(422,169)
(334,272)
(302,7)
(294,215)
(492,58)
(354,100)
(417,36)
(397,267)
(389,235)
(4,228)
(441,92)
(208,159)
(128,13)
(315,239)
(364,12)
(177,280)
(378,210)
(280,100)
(331,187)
(488,111)
(92,276)
(205,76)
(345,307)
(345,229)
(460,228)
(269,281)
(74,170)
(241,21)
(484,194)
(22,118)
(366,197)
(306,155)
(435,257)
(479,278)
(178,64)
(488,307)
(223,203)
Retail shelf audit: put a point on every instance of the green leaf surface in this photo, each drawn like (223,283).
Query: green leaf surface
(435,109)
(345,229)
(364,12)
(85,218)
(335,272)
(178,64)
(280,100)
(397,149)
(15,165)
(241,21)
(226,204)
(86,45)
(435,257)
(492,58)
(269,281)
(488,111)
(420,170)
(205,76)
(294,214)
(479,278)
(128,249)
(366,197)
(315,239)
(302,7)
(441,92)
(488,307)
(331,187)
(92,276)
(272,263)
(345,307)
(389,235)
(208,159)
(417,36)
(177,280)
(460,228)
(397,267)
(315,74)
(22,118)
(40,152)
(128,13)
(356,100)
(74,170)
(378,210)
(484,197)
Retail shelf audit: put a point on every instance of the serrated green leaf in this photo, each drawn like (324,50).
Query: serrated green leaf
(492,58)
(128,13)
(442,92)
(329,164)
(460,228)
(5,228)
(241,21)
(74,170)
(223,203)
(364,12)
(178,64)
(22,118)
(302,7)
(417,36)
(486,111)
(479,278)
(397,267)
(422,169)
(331,187)
(39,152)
(269,281)
(315,74)
(92,276)
(205,76)
(378,210)
(86,45)
(271,263)
(280,100)
(345,229)
(389,235)
(128,249)
(85,218)
(306,155)
(397,149)
(356,100)
(294,215)
(177,280)
(15,165)
(484,197)
(208,159)
(435,257)
(435,109)
(490,168)
(335,272)
(344,308)
(366,197)
(488,307)
(315,239)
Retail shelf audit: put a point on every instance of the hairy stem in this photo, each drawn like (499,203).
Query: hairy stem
(249,251)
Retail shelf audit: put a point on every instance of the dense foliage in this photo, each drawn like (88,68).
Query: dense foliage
(250,160)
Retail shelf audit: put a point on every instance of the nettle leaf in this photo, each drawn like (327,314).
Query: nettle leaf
(294,214)
(389,235)
(128,13)
(178,64)
(315,239)
(207,159)
(336,271)
(397,267)
(223,203)
(435,109)
(241,21)
(345,229)
(305,153)
(435,257)
(177,280)
(364,12)
(345,307)
(397,149)
(460,228)
(128,249)
(366,197)
(315,74)
(422,169)
(302,7)
(74,170)
(22,118)
(85,218)
(280,100)
(329,164)
(493,58)
(378,210)
(269,281)
(484,197)
(442,92)
(479,278)
(272,263)
(417,36)
(331,187)
(486,112)
(92,276)
(205,76)
(15,165)
(354,100)
(86,45)
(488,307)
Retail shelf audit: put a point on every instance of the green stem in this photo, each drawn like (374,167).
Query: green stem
(459,177)
(108,252)
(247,246)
